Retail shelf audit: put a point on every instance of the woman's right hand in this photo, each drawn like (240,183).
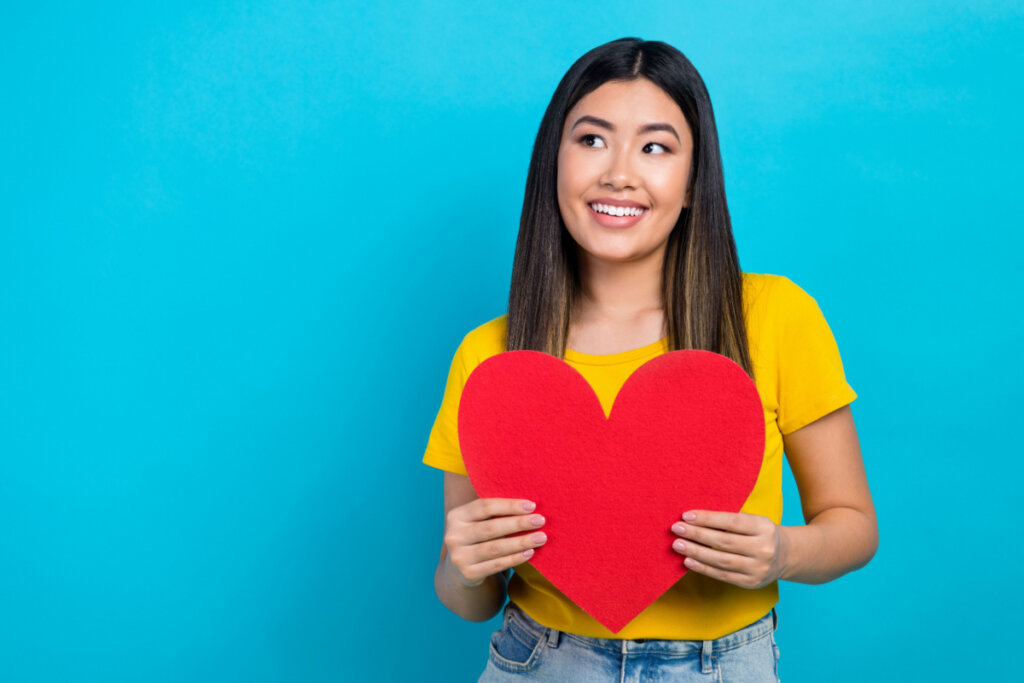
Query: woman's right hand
(477,537)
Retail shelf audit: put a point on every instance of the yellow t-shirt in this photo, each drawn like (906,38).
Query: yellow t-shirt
(799,376)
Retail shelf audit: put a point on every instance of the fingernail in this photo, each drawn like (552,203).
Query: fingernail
(540,538)
(537,520)
(690,516)
(528,552)
(678,528)
(679,545)
(529,506)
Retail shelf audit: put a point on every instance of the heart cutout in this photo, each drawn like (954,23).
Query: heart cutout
(686,431)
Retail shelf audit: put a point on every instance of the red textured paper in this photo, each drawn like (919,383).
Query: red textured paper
(686,432)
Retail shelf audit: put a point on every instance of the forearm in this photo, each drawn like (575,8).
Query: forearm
(835,542)
(477,603)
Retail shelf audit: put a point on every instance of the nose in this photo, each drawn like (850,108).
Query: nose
(620,174)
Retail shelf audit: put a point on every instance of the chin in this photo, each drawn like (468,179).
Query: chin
(608,250)
(616,256)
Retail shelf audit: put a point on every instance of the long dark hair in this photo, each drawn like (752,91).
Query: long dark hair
(701,278)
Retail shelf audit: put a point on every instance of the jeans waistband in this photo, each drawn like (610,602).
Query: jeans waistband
(759,629)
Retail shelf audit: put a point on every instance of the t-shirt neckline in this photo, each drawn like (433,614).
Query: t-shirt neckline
(652,349)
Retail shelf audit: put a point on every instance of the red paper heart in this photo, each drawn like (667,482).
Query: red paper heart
(686,431)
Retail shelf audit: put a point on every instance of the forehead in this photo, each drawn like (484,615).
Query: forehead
(638,101)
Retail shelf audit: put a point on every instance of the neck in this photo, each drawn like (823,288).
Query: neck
(620,291)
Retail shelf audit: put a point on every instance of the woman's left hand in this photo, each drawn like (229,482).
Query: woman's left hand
(736,547)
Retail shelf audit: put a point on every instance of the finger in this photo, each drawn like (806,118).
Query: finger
(485,508)
(713,538)
(735,578)
(737,522)
(482,570)
(468,558)
(713,558)
(503,547)
(500,527)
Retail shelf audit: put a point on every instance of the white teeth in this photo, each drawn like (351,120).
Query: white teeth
(617,210)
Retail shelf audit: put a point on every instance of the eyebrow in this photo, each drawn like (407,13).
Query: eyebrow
(608,125)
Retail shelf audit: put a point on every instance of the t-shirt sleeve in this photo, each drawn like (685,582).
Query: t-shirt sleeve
(443,450)
(811,381)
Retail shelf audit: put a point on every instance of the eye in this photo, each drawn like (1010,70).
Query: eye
(661,149)
(591,140)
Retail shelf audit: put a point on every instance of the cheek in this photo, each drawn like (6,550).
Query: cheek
(561,176)
(575,171)
(569,183)
(564,206)
(669,187)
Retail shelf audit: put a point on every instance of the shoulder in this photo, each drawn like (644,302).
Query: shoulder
(482,342)
(755,284)
(764,293)
(776,308)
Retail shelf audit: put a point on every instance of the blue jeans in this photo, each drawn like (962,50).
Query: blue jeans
(523,649)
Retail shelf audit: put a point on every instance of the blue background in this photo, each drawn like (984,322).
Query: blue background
(239,243)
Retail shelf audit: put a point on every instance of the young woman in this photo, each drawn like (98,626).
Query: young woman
(625,252)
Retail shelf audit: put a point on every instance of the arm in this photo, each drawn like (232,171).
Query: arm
(474,584)
(478,603)
(841,531)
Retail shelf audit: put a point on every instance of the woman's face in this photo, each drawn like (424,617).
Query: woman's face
(625,149)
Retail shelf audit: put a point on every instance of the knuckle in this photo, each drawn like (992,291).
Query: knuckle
(725,543)
(484,551)
(458,557)
(503,547)
(508,562)
(453,536)
(513,560)
(755,577)
(504,561)
(491,567)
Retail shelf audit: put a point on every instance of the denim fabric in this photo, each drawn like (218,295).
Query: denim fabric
(524,650)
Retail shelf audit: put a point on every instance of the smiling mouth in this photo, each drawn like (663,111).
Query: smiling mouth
(609,210)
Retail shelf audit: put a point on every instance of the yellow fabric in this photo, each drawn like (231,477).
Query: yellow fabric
(799,376)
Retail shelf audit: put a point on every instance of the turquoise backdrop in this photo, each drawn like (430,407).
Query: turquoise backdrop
(239,242)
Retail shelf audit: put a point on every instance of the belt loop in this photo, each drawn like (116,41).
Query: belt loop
(705,658)
(553,636)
